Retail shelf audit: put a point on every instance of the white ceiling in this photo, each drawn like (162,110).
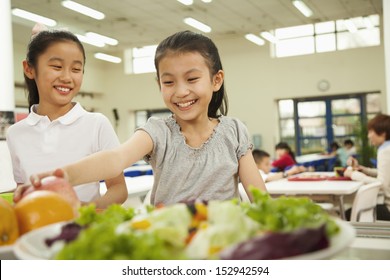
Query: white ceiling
(144,22)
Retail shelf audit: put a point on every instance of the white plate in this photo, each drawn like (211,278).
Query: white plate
(6,252)
(31,246)
(337,243)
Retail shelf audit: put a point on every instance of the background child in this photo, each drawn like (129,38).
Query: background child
(284,156)
(263,162)
(58,131)
(346,151)
(349,147)
(379,136)
(197,152)
(338,152)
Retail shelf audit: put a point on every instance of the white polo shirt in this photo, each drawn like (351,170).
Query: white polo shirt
(37,144)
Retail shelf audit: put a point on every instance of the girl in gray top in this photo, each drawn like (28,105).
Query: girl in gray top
(197,153)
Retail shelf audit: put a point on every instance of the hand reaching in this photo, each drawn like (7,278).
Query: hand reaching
(348,172)
(36,183)
(52,181)
(36,179)
(353,162)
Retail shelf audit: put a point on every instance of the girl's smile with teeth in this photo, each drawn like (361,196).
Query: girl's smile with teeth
(185,104)
(64,89)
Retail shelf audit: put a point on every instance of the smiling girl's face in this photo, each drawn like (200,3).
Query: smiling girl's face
(58,74)
(186,85)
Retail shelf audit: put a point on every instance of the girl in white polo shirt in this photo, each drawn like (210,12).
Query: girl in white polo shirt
(58,131)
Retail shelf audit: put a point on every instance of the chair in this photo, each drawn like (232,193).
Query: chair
(243,195)
(364,204)
(147,198)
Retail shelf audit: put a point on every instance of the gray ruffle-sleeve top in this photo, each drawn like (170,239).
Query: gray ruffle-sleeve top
(182,173)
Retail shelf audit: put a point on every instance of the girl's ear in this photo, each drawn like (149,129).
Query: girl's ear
(28,70)
(218,80)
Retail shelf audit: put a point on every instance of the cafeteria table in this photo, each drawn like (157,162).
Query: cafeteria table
(336,190)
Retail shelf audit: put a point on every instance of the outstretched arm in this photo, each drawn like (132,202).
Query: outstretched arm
(104,164)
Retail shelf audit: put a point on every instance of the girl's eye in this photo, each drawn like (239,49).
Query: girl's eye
(167,83)
(193,79)
(56,66)
(77,70)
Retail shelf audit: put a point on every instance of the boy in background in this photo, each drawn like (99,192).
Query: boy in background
(263,162)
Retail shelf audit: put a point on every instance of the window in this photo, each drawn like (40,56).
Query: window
(327,36)
(140,60)
(311,124)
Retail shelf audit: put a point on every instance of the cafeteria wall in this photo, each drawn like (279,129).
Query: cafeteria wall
(254,81)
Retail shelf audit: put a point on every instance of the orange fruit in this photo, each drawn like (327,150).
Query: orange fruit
(9,230)
(41,208)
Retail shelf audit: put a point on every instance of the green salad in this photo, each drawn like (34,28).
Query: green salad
(198,230)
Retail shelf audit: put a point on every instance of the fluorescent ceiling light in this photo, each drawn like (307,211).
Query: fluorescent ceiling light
(33,17)
(255,39)
(186,2)
(104,39)
(303,8)
(91,41)
(268,36)
(83,9)
(350,25)
(109,58)
(207,1)
(197,24)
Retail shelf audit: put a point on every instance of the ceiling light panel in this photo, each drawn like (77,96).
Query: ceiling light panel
(107,57)
(104,39)
(303,8)
(255,39)
(90,41)
(186,2)
(83,9)
(268,36)
(33,17)
(197,24)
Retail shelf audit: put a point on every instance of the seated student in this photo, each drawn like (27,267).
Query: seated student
(285,157)
(379,136)
(263,162)
(333,147)
(346,151)
(336,151)
(349,147)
